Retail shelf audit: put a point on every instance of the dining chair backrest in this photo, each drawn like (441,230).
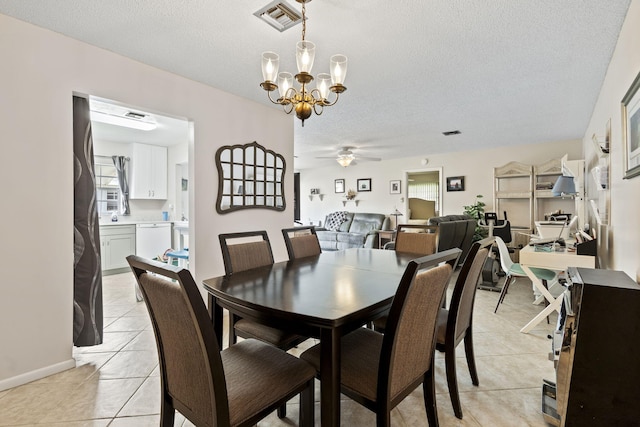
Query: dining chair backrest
(409,340)
(191,370)
(254,251)
(464,292)
(417,239)
(505,259)
(301,242)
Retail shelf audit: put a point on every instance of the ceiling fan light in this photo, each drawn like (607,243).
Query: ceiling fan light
(305,54)
(345,159)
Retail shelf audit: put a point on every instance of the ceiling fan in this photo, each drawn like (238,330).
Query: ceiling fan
(346,157)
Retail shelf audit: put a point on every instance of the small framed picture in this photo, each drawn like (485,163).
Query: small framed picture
(631,129)
(455,183)
(339,185)
(364,184)
(315,191)
(394,187)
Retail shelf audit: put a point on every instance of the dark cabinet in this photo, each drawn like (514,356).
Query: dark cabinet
(598,371)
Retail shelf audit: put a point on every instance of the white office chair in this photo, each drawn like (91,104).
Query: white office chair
(514,270)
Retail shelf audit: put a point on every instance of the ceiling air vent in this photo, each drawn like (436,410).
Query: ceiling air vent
(280,15)
(133,115)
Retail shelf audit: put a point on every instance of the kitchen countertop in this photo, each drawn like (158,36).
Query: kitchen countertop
(120,221)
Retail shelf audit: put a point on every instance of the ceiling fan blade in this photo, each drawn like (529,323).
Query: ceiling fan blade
(371,159)
(326,157)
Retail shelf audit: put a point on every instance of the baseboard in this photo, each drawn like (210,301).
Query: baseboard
(36,374)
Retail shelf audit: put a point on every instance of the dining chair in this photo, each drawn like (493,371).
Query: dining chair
(423,240)
(455,323)
(236,387)
(379,370)
(253,252)
(301,242)
(417,239)
(514,270)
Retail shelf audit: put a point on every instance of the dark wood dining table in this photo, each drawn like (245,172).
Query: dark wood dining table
(325,297)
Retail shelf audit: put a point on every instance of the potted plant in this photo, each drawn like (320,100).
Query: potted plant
(476,211)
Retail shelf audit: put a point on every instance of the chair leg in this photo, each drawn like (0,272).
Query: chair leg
(232,329)
(282,411)
(452,378)
(471,360)
(383,418)
(429,391)
(307,415)
(505,287)
(546,303)
(167,411)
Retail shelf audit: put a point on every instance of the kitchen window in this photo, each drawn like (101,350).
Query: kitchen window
(107,188)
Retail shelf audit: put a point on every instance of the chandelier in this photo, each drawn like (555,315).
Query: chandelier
(304,101)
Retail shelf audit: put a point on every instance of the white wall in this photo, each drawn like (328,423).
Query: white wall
(624,230)
(476,166)
(41,71)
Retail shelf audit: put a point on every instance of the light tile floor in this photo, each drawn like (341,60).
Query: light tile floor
(116,384)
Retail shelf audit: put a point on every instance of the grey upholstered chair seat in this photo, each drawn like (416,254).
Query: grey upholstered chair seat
(358,371)
(277,337)
(257,375)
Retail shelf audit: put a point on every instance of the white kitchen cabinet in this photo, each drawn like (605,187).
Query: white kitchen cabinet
(148,172)
(117,242)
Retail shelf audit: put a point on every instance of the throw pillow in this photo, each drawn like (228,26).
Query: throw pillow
(335,220)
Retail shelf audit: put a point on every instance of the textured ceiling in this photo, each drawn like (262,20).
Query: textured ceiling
(503,72)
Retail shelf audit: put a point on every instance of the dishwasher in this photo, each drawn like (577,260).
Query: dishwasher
(153,239)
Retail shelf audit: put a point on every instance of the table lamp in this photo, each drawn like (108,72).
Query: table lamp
(396,213)
(564,186)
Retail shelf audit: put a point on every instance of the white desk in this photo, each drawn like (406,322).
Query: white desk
(554,260)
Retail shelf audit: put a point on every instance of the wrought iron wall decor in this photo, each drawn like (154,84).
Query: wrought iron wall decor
(249,177)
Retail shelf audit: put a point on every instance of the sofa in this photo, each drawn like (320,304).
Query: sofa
(356,230)
(455,231)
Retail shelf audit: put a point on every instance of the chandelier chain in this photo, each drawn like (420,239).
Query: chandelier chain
(304,20)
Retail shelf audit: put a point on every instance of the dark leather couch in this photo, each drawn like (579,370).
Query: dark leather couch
(455,231)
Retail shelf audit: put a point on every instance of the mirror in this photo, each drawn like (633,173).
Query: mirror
(249,176)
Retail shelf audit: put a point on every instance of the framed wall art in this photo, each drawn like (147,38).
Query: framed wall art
(394,187)
(364,184)
(631,129)
(455,183)
(339,185)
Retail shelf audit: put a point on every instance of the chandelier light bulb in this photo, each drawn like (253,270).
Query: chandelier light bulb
(323,84)
(338,67)
(285,81)
(305,54)
(270,62)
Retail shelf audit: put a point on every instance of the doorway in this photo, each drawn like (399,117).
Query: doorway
(424,185)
